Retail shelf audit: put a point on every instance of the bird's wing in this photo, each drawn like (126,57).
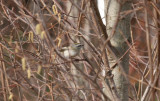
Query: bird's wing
(63,48)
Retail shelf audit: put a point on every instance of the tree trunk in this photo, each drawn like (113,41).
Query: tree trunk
(118,30)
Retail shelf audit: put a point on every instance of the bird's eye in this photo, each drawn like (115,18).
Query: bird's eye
(80,45)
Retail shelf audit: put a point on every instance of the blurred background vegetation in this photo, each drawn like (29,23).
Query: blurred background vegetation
(119,61)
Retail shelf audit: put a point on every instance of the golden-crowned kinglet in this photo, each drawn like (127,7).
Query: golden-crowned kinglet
(72,50)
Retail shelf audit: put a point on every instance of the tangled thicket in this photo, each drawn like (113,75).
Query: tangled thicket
(33,69)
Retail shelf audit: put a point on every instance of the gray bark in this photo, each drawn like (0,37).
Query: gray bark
(118,41)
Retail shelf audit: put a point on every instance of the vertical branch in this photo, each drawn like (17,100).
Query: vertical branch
(5,77)
(148,40)
(3,83)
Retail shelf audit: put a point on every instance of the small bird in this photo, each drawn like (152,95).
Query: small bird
(72,50)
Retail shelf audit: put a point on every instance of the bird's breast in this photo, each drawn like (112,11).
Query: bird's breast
(70,53)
